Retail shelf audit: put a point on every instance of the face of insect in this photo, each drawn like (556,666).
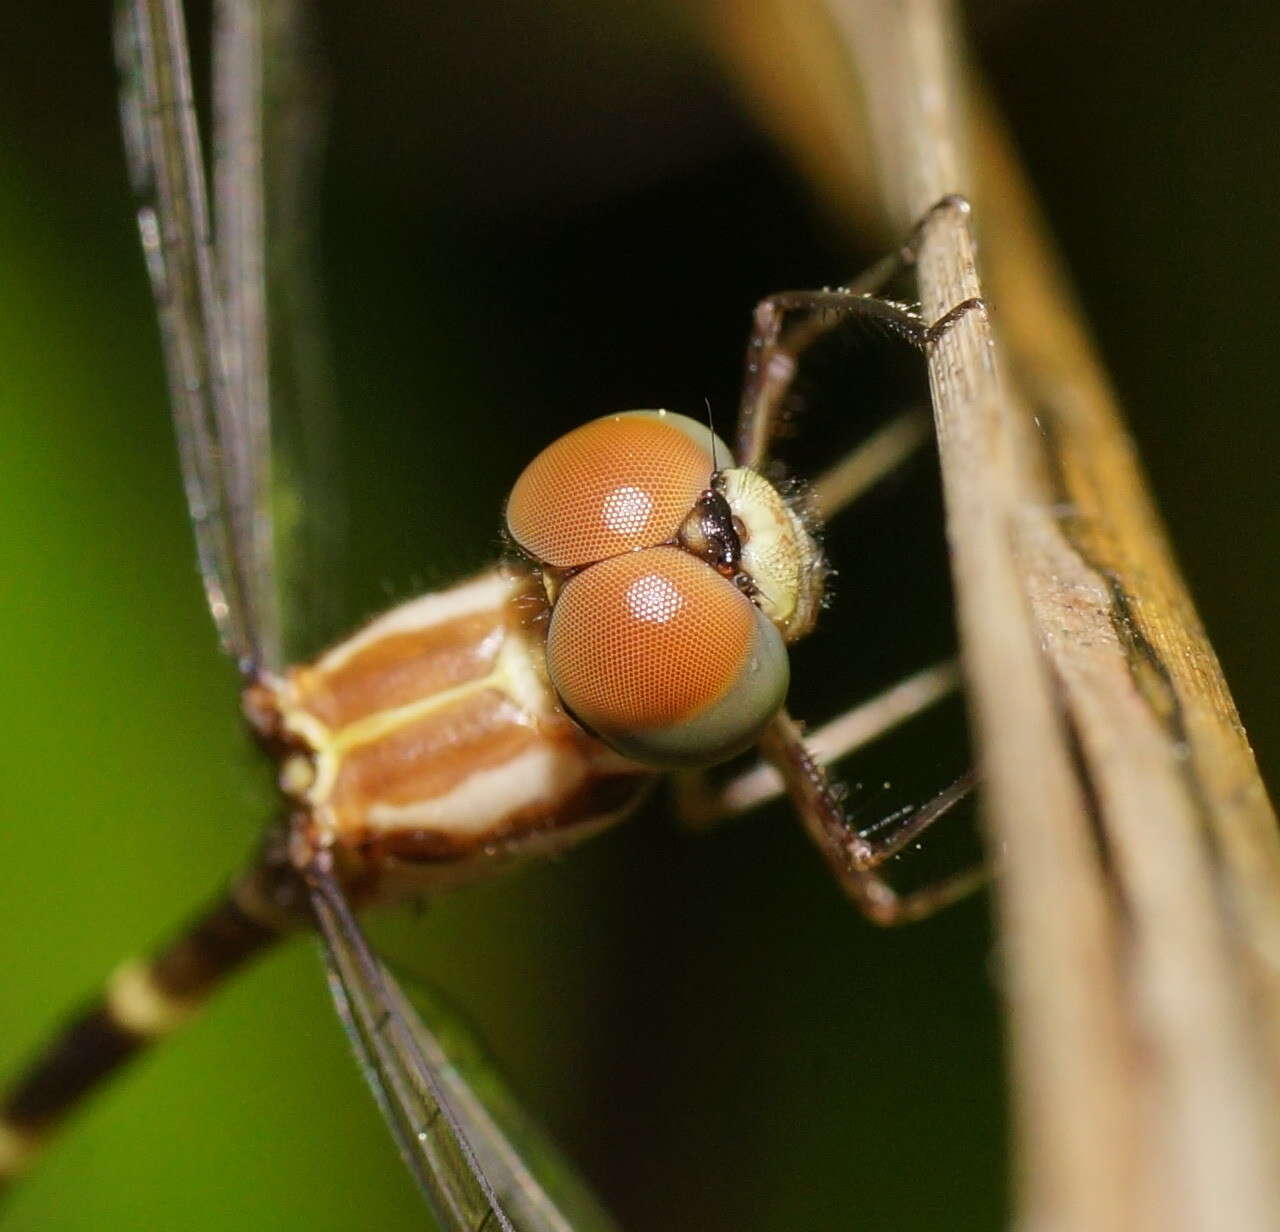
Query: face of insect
(674,585)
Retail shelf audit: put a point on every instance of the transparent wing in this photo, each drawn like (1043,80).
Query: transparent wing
(473,1158)
(269,104)
(238,334)
(239,229)
(219,416)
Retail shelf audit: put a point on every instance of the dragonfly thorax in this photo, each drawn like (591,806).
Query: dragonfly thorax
(429,747)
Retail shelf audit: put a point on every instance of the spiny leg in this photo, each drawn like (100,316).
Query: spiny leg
(144,1001)
(703,804)
(773,351)
(853,856)
(771,364)
(771,361)
(883,839)
(876,277)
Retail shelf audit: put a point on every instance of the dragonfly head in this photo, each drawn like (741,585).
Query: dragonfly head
(675,582)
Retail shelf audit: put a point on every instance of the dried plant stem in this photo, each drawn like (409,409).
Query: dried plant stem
(1140,895)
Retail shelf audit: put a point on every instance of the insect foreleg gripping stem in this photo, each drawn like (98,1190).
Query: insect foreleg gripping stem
(775,346)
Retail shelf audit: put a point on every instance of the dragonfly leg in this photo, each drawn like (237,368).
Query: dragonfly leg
(703,803)
(853,856)
(776,345)
(876,277)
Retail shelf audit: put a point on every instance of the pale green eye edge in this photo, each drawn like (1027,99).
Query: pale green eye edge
(692,428)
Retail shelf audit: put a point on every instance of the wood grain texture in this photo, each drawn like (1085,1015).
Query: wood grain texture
(1139,899)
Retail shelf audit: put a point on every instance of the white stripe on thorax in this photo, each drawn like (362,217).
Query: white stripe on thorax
(482,594)
(541,775)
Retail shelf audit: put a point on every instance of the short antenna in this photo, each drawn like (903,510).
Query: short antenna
(711,423)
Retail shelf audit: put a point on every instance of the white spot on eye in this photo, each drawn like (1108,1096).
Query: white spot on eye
(627,510)
(653,599)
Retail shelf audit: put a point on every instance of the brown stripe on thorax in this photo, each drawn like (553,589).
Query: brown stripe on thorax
(429,757)
(434,733)
(400,669)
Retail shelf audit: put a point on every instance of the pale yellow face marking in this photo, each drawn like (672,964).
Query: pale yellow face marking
(141,1006)
(778,552)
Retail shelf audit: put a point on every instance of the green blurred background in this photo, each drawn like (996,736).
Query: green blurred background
(532,215)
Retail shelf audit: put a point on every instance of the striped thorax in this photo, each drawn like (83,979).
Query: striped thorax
(500,719)
(429,748)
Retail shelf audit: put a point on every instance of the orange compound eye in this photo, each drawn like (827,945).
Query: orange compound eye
(664,659)
(615,484)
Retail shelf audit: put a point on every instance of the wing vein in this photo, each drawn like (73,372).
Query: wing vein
(432,1142)
(168,175)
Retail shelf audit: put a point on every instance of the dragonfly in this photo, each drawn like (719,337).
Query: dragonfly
(209,295)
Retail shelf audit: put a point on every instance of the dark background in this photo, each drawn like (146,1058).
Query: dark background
(533,215)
